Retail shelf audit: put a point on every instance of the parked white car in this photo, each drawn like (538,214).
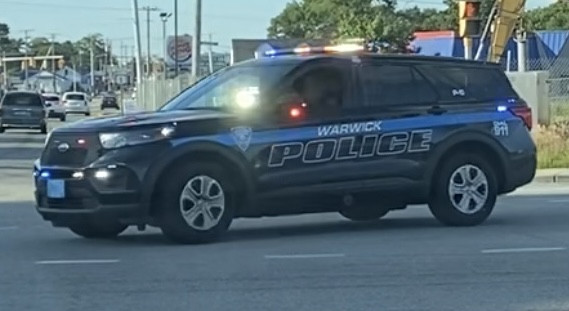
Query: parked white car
(54,107)
(76,102)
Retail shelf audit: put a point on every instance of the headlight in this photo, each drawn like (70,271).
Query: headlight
(135,137)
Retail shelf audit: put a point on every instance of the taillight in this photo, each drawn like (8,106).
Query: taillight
(524,113)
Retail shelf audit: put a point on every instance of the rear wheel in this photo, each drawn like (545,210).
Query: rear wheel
(43,128)
(198,204)
(2,128)
(464,191)
(87,114)
(91,229)
(62,117)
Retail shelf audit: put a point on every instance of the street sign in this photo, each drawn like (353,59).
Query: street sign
(184,51)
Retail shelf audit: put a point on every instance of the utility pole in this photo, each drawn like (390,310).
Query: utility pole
(92,66)
(211,44)
(176,37)
(197,40)
(138,48)
(148,56)
(26,63)
(53,62)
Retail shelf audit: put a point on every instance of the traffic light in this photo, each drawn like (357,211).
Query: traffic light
(469,21)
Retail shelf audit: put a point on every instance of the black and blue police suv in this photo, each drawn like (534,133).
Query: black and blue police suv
(330,130)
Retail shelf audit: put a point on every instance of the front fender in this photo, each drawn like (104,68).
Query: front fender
(197,148)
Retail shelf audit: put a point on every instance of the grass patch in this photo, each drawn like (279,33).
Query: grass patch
(552,145)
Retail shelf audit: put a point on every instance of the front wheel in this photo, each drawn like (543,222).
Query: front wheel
(465,191)
(198,204)
(98,230)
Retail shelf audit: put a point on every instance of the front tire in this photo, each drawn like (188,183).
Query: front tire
(198,204)
(465,191)
(98,230)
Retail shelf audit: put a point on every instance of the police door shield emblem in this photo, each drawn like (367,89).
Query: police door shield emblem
(242,136)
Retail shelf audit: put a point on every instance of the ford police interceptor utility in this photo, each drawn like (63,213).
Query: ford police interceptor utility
(334,129)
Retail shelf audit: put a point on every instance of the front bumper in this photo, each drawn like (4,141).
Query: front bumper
(111,192)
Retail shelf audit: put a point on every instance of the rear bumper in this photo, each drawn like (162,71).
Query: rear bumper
(520,170)
(55,110)
(88,197)
(80,109)
(24,123)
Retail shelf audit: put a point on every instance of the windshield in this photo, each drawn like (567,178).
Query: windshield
(75,97)
(22,100)
(229,88)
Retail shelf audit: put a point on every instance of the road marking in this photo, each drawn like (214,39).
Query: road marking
(9,228)
(559,201)
(304,256)
(523,250)
(71,262)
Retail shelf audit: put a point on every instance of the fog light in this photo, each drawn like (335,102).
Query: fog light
(102,174)
(78,175)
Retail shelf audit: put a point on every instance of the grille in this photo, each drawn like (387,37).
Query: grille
(77,155)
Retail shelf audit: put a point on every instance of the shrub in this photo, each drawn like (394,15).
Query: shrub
(552,145)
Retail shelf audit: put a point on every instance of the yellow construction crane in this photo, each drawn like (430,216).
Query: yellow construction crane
(503,19)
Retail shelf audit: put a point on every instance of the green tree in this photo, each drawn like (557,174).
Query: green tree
(552,17)
(333,19)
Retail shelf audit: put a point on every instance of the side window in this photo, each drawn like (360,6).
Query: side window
(322,91)
(461,83)
(392,85)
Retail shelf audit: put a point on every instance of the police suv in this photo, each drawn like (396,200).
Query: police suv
(332,129)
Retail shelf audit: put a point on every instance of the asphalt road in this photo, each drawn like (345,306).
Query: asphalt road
(517,261)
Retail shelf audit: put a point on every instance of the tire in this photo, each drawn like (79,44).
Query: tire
(219,212)
(62,117)
(87,114)
(98,230)
(2,129)
(454,170)
(43,128)
(363,213)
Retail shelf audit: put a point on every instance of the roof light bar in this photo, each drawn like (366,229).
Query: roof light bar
(342,48)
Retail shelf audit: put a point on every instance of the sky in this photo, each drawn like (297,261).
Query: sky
(222,19)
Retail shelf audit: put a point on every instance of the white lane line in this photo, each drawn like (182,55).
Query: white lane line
(9,228)
(71,262)
(559,201)
(304,256)
(523,250)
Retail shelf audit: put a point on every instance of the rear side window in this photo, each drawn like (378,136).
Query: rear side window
(75,97)
(455,83)
(22,100)
(392,85)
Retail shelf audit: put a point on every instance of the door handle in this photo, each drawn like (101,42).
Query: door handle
(436,110)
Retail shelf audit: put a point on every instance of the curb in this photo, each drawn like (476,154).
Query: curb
(561,178)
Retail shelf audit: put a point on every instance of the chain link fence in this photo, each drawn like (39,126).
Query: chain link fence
(558,82)
(156,90)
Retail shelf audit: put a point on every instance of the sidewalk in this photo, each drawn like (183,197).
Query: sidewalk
(552,175)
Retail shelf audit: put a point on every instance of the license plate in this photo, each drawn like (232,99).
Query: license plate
(22,113)
(56,188)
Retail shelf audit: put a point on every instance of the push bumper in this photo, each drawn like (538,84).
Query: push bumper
(65,196)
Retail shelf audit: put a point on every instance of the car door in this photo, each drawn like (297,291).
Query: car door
(308,143)
(405,102)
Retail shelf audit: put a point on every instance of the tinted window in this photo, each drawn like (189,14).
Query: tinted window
(22,100)
(51,98)
(227,87)
(75,97)
(388,85)
(469,83)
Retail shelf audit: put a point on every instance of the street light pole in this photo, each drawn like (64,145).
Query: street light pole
(197,40)
(176,37)
(148,57)
(164,16)
(26,62)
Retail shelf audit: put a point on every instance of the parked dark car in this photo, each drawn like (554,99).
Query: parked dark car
(109,101)
(23,110)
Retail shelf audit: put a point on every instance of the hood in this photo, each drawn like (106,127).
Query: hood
(140,119)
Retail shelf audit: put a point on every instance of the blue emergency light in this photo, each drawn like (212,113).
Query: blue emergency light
(342,48)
